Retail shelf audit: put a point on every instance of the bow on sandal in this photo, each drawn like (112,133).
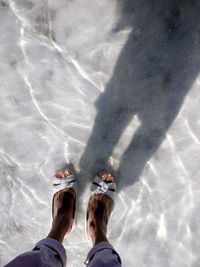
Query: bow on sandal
(103,187)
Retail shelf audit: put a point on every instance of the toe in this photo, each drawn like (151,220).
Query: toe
(106,176)
(63,173)
(59,174)
(68,172)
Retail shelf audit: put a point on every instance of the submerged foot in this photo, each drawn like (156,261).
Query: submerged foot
(63,208)
(99,209)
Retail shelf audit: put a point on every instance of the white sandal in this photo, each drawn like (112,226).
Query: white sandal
(101,187)
(59,184)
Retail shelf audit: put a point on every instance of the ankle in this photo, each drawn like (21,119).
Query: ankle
(61,225)
(97,231)
(99,236)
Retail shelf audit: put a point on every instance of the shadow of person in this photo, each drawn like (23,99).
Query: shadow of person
(155,69)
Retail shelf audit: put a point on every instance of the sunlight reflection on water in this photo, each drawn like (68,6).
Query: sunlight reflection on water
(52,74)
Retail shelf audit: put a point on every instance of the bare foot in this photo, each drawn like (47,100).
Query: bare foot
(63,208)
(99,209)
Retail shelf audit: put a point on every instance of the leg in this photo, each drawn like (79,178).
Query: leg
(49,252)
(99,209)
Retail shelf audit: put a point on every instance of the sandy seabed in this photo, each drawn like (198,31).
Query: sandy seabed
(102,84)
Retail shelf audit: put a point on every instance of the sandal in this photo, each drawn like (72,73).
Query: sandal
(101,186)
(59,184)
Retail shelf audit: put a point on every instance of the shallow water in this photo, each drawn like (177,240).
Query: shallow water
(102,83)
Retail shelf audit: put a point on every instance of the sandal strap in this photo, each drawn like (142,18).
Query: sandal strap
(66,182)
(102,187)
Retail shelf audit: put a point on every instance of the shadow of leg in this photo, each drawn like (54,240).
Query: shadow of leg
(144,143)
(108,127)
